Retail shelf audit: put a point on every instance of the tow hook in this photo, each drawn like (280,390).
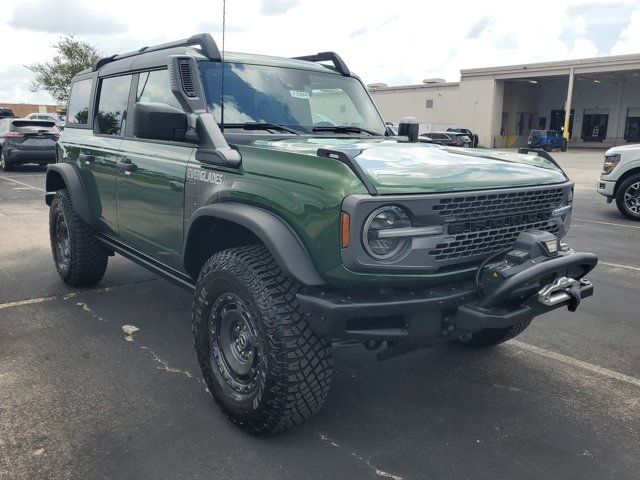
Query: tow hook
(561,290)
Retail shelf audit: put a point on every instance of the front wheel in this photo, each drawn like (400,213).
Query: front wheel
(494,336)
(628,197)
(261,361)
(564,146)
(79,257)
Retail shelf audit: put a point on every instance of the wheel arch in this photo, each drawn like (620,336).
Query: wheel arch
(240,225)
(64,175)
(624,176)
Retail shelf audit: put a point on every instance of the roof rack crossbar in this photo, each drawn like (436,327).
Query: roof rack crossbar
(333,57)
(204,40)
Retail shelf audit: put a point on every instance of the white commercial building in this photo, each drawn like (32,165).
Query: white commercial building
(503,104)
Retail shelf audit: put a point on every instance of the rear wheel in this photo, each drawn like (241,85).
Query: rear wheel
(548,147)
(4,164)
(628,197)
(494,336)
(263,364)
(79,257)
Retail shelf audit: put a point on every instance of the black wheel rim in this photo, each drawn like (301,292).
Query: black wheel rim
(62,242)
(234,345)
(632,198)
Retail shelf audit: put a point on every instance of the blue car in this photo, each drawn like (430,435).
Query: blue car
(547,139)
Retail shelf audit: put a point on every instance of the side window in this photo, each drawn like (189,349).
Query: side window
(78,111)
(112,105)
(154,87)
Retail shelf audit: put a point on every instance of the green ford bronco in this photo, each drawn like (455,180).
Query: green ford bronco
(272,189)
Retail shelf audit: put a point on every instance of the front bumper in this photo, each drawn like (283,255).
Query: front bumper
(429,313)
(606,187)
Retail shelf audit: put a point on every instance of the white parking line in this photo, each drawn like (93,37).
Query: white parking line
(606,223)
(30,301)
(21,183)
(615,265)
(574,362)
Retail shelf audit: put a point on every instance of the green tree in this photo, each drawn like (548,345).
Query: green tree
(73,56)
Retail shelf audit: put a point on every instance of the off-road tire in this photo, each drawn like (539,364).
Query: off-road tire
(620,197)
(6,166)
(294,366)
(548,148)
(84,261)
(494,336)
(564,146)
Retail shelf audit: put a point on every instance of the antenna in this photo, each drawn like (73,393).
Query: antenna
(224,17)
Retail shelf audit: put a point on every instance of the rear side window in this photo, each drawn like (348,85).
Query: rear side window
(154,87)
(78,111)
(112,105)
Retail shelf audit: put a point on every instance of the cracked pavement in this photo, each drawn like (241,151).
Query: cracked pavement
(83,394)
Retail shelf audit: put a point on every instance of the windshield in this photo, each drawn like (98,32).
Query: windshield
(298,99)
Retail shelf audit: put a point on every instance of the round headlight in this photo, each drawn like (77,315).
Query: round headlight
(383,246)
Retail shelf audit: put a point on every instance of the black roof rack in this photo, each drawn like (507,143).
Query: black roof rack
(333,57)
(204,40)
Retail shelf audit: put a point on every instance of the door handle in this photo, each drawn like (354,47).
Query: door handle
(86,159)
(176,186)
(127,166)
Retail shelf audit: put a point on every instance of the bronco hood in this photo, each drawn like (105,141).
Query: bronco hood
(395,167)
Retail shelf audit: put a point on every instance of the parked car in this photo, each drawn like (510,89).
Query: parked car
(620,179)
(391,128)
(51,117)
(449,139)
(468,133)
(24,140)
(547,139)
(6,112)
(293,235)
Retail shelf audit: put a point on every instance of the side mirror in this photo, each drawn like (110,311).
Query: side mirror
(409,127)
(159,121)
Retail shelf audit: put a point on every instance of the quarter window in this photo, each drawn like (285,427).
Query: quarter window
(154,87)
(112,106)
(78,111)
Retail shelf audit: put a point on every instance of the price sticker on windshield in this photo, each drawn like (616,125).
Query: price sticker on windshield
(297,94)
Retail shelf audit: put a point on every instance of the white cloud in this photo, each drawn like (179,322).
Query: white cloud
(629,41)
(411,40)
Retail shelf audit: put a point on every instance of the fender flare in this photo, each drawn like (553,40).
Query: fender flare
(277,236)
(73,183)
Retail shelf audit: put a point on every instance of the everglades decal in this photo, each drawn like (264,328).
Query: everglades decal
(205,176)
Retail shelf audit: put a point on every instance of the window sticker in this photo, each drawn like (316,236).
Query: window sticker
(298,94)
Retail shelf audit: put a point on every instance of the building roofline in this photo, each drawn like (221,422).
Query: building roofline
(414,87)
(597,62)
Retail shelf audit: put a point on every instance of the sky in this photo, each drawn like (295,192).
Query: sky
(396,42)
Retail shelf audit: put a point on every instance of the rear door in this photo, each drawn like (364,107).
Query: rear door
(151,186)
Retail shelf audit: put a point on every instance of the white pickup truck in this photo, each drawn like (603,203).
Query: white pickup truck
(620,179)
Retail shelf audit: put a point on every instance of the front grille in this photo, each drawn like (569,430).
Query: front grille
(499,204)
(486,242)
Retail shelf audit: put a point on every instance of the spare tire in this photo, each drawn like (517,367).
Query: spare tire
(535,140)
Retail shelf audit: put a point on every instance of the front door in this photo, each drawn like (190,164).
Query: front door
(101,152)
(151,181)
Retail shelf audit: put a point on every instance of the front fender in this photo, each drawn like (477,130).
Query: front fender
(285,246)
(65,175)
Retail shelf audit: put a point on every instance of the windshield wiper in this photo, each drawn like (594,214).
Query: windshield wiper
(262,126)
(344,129)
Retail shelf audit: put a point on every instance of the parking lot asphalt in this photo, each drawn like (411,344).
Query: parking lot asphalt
(78,399)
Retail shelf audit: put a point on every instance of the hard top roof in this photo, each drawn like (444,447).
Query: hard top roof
(158,59)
